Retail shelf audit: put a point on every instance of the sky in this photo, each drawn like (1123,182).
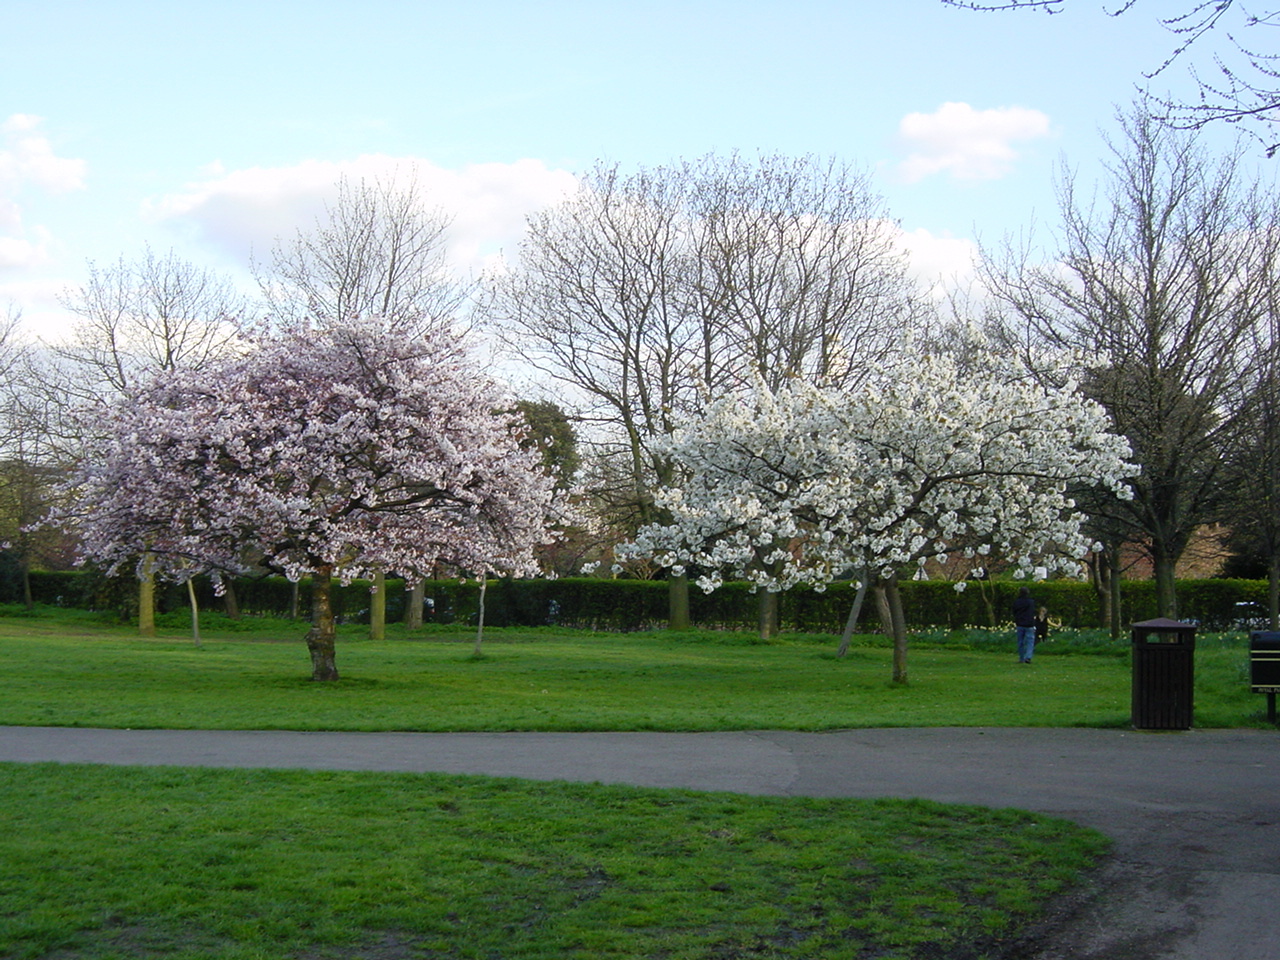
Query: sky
(214,128)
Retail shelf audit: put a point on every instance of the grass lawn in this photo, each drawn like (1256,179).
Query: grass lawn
(109,863)
(65,669)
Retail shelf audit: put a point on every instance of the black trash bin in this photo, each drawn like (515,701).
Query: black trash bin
(1264,666)
(1163,674)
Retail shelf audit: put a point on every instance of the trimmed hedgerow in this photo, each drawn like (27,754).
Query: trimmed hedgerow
(622,605)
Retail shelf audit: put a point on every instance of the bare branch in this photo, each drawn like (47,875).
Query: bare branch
(378,253)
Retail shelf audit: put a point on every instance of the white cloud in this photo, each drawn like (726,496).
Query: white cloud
(38,302)
(244,211)
(940,263)
(27,160)
(29,248)
(969,144)
(28,157)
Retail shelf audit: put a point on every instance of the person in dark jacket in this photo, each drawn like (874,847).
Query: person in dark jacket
(1024,620)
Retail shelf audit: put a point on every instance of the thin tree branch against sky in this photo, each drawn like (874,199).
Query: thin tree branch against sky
(1232,60)
(214,129)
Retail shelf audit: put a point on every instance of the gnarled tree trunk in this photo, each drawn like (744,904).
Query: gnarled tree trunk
(1166,586)
(323,633)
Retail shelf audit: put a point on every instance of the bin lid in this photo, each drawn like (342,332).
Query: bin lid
(1164,623)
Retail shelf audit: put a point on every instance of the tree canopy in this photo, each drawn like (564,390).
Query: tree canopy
(326,452)
(805,484)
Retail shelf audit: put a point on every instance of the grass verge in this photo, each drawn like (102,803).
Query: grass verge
(98,863)
(66,669)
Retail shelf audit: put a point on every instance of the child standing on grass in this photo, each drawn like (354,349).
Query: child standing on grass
(1024,621)
(1042,624)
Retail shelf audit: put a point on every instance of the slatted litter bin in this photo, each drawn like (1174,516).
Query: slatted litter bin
(1264,666)
(1163,674)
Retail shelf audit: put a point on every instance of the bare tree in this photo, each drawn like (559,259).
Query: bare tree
(136,317)
(1252,512)
(797,272)
(379,252)
(1161,285)
(647,292)
(1240,84)
(600,302)
(32,461)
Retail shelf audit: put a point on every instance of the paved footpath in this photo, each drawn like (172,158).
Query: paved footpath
(1195,816)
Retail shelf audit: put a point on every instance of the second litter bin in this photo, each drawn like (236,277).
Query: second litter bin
(1163,674)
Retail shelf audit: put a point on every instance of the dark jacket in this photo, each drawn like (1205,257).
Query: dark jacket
(1024,612)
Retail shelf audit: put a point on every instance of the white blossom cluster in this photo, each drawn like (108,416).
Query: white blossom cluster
(805,484)
(345,449)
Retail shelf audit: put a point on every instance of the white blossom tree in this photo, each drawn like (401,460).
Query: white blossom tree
(805,484)
(328,452)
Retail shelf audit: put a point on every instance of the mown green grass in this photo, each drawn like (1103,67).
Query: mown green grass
(68,669)
(107,863)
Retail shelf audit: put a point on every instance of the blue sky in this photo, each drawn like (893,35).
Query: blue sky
(211,128)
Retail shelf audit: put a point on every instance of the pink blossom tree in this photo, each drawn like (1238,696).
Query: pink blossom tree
(328,452)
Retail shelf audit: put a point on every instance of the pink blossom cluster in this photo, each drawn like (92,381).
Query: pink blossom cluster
(347,449)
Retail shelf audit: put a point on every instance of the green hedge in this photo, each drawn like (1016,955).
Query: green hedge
(622,605)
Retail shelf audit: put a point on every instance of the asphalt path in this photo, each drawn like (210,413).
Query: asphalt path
(1195,815)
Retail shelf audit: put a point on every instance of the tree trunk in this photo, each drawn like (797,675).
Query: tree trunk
(768,614)
(195,612)
(378,607)
(852,622)
(984,590)
(294,590)
(484,583)
(1273,592)
(1100,578)
(413,609)
(147,601)
(1166,587)
(678,603)
(894,597)
(230,600)
(323,633)
(1115,591)
(27,600)
(882,608)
